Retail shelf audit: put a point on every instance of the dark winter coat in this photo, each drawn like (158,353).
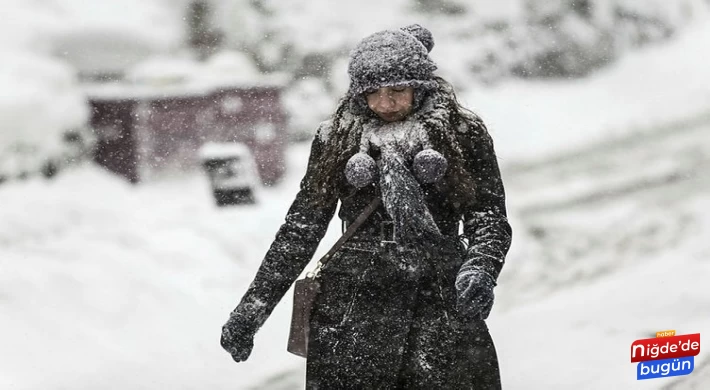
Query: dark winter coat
(387,318)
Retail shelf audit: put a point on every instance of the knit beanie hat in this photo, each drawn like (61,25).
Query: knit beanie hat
(392,58)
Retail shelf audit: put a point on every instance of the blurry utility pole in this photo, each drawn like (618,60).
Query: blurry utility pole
(204,38)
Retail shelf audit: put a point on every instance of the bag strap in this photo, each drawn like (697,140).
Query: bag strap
(352,228)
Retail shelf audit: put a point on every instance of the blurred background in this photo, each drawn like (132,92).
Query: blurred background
(149,151)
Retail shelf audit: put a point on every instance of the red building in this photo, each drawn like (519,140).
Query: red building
(144,132)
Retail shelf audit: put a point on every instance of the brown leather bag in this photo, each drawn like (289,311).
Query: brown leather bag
(306,290)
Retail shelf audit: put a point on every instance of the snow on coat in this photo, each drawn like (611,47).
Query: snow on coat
(386,314)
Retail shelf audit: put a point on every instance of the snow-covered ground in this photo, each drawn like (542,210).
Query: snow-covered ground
(106,285)
(613,261)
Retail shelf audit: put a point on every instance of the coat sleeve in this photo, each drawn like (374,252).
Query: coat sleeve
(295,243)
(485,221)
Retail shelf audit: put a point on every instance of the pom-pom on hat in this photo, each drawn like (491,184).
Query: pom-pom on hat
(392,58)
(422,34)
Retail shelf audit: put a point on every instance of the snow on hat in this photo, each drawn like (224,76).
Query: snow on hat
(392,57)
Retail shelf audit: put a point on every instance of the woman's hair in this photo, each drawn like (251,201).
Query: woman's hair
(343,141)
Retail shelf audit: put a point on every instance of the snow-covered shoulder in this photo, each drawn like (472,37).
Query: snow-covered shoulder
(324,130)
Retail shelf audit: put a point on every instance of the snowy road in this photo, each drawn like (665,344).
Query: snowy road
(608,205)
(622,252)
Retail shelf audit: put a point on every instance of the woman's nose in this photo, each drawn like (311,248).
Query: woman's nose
(385,101)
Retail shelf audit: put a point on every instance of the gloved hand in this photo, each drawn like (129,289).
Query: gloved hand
(474,288)
(237,338)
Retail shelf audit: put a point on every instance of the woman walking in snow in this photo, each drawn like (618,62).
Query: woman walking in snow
(403,302)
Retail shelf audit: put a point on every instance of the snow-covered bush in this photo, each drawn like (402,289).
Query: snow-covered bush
(43,112)
(640,22)
(561,44)
(528,38)
(39,103)
(573,38)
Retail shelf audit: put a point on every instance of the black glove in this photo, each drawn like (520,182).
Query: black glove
(475,292)
(237,337)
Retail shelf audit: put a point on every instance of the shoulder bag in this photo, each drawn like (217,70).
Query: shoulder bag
(305,290)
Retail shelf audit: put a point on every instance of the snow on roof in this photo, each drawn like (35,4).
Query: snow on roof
(223,150)
(102,49)
(123,91)
(232,63)
(164,77)
(113,91)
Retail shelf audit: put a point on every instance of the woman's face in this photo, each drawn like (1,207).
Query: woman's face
(391,103)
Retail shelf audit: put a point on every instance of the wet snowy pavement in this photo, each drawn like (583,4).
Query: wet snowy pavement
(621,252)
